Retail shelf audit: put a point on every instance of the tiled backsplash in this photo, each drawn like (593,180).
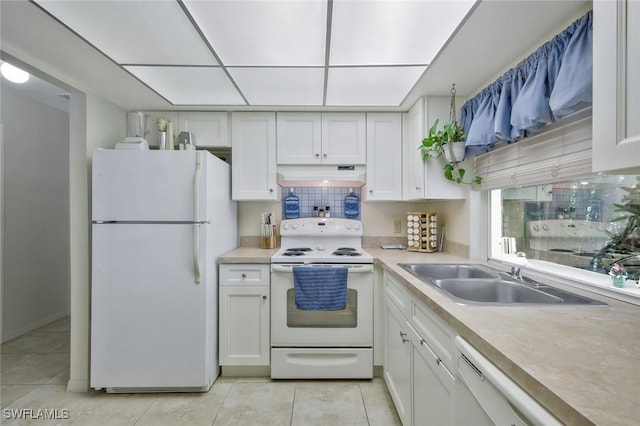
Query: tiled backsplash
(322,197)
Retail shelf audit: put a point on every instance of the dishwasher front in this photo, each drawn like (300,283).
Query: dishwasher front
(490,397)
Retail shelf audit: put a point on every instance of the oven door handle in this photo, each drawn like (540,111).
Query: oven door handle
(353,269)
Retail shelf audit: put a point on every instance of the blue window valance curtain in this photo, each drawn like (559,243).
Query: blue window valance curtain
(551,83)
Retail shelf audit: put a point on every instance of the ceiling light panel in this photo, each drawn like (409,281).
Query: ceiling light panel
(190,85)
(280,86)
(135,32)
(264,33)
(370,86)
(392,32)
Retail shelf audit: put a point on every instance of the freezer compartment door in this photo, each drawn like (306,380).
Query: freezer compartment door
(148,186)
(152,324)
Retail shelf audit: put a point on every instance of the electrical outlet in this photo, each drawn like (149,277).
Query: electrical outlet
(397,226)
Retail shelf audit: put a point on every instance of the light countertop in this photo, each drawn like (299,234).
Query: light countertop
(581,363)
(247,255)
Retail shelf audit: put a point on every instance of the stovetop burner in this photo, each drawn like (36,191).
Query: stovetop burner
(346,251)
(293,253)
(299,249)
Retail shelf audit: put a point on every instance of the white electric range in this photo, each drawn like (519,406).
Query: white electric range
(321,344)
(321,240)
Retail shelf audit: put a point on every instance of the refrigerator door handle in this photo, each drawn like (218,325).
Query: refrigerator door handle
(196,252)
(196,187)
(196,217)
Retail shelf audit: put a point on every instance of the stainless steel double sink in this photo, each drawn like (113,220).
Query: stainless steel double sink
(470,284)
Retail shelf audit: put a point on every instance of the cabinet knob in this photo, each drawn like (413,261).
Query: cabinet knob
(418,188)
(403,336)
(244,275)
(264,297)
(371,191)
(422,342)
(317,155)
(324,155)
(438,361)
(270,189)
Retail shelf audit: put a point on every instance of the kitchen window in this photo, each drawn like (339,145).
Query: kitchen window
(576,229)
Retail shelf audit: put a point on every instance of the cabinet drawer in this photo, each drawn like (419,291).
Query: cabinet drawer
(244,274)
(397,293)
(436,332)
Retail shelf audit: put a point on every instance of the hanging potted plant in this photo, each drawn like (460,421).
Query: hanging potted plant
(448,142)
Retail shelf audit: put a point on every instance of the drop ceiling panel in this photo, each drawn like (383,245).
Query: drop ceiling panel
(392,32)
(258,33)
(135,32)
(370,86)
(189,85)
(280,86)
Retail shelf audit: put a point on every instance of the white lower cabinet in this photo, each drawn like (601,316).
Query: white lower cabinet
(433,386)
(437,378)
(397,360)
(244,315)
(421,385)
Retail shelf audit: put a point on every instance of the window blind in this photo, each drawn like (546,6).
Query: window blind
(562,151)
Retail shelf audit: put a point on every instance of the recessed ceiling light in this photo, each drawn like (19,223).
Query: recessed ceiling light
(14,74)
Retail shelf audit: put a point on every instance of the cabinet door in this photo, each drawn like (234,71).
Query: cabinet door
(397,360)
(616,86)
(244,325)
(299,138)
(209,129)
(433,386)
(384,157)
(412,162)
(253,156)
(343,138)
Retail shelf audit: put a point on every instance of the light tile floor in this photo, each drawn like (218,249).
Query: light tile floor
(35,370)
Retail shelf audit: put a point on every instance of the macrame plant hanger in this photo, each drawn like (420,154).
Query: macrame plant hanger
(452,108)
(453,119)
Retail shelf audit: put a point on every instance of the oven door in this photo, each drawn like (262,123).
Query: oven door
(349,327)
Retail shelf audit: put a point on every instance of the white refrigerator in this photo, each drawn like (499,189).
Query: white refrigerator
(160,219)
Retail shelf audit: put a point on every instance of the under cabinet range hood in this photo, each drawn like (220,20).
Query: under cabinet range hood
(321,175)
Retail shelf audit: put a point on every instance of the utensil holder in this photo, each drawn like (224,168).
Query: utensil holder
(269,241)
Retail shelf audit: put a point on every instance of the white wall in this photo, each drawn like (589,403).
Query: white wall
(36,211)
(95,123)
(377,217)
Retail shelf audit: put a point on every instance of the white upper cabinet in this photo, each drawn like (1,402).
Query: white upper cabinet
(344,138)
(424,179)
(299,138)
(315,138)
(209,129)
(412,162)
(384,157)
(616,86)
(253,156)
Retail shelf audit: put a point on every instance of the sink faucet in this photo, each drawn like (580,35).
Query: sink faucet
(516,272)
